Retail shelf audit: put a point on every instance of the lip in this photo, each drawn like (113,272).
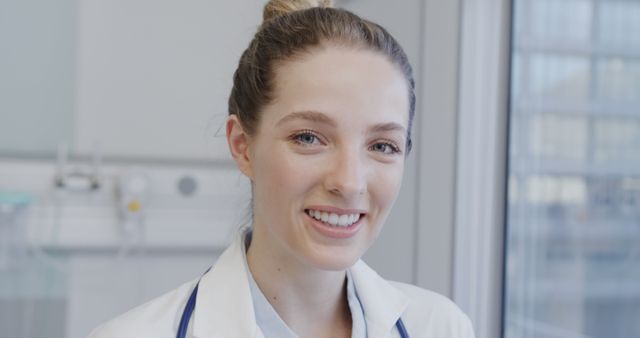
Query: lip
(336,210)
(336,232)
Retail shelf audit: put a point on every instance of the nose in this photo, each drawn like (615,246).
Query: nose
(347,174)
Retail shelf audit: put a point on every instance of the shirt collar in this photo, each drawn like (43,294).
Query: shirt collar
(272,325)
(358,323)
(383,304)
(224,307)
(268,320)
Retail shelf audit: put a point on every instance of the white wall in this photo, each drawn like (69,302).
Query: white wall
(37,81)
(158,74)
(437,153)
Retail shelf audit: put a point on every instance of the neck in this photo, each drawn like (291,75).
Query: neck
(309,300)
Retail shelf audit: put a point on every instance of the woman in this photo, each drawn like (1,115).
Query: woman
(320,121)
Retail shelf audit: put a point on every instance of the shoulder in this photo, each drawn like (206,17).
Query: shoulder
(157,318)
(432,314)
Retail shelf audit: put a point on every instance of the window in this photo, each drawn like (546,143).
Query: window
(572,250)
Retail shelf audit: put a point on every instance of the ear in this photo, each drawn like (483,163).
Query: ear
(239,141)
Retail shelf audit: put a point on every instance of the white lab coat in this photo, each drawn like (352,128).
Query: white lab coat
(224,307)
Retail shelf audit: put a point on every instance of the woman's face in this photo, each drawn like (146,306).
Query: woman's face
(328,156)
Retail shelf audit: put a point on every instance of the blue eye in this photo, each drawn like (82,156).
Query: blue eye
(305,138)
(385,148)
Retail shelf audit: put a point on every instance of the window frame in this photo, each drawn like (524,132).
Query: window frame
(481,169)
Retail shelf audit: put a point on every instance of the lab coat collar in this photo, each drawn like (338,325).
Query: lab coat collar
(224,307)
(383,303)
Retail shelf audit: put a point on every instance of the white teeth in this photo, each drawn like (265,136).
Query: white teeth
(334,219)
(342,221)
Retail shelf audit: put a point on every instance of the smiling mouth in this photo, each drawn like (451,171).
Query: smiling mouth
(333,219)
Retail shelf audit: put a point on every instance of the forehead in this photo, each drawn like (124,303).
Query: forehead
(344,83)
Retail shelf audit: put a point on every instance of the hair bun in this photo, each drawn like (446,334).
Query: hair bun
(276,8)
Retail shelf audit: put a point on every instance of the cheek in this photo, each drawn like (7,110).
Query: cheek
(386,186)
(279,179)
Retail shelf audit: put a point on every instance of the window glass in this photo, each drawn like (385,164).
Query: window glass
(572,265)
(618,22)
(617,141)
(547,19)
(558,137)
(618,79)
(557,76)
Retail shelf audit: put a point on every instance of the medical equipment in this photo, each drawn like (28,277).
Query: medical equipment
(77,178)
(13,243)
(191,305)
(133,191)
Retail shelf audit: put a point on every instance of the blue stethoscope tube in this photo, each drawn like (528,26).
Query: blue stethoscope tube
(191,305)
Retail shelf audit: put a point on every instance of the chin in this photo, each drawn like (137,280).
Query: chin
(332,259)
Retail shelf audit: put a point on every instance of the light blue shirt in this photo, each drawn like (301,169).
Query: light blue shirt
(273,326)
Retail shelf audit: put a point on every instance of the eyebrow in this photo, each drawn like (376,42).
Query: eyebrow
(390,126)
(315,116)
(312,116)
